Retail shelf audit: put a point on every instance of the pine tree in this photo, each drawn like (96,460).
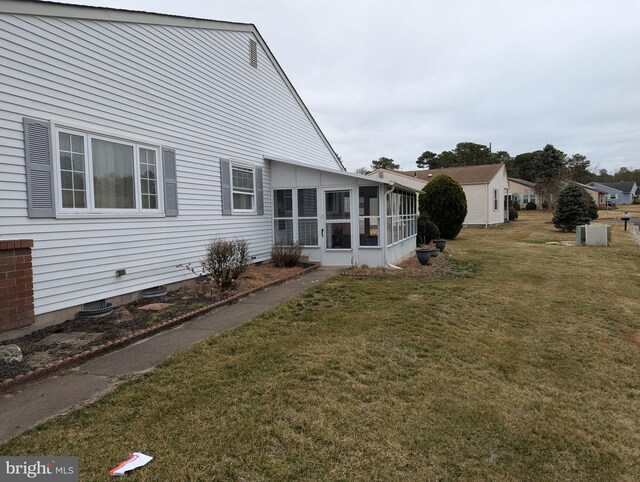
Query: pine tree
(571,208)
(592,207)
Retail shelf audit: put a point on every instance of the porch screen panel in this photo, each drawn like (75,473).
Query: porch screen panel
(308,217)
(338,223)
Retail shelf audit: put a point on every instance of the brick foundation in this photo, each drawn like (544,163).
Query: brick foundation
(16,284)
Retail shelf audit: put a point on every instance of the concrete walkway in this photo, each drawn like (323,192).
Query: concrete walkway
(71,389)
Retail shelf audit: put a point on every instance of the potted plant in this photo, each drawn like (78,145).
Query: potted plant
(440,244)
(427,232)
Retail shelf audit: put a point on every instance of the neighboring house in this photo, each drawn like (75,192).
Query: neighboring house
(128,140)
(599,196)
(524,191)
(485,186)
(618,192)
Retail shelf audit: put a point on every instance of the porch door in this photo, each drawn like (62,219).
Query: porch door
(337,233)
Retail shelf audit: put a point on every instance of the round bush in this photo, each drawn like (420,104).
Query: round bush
(531,206)
(444,202)
(516,205)
(513,214)
(427,230)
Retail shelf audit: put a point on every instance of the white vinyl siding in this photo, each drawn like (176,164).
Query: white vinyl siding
(198,94)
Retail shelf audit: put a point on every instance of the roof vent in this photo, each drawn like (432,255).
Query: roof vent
(253,53)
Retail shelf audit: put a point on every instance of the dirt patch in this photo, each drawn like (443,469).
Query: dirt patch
(75,336)
(410,268)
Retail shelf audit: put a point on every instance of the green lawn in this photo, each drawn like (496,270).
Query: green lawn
(527,370)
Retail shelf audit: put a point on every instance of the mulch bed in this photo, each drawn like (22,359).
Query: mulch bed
(76,336)
(411,268)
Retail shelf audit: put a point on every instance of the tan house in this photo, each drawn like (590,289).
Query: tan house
(485,186)
(599,196)
(523,191)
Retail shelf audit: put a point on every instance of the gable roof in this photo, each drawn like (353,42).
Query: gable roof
(592,188)
(626,186)
(67,10)
(523,182)
(482,174)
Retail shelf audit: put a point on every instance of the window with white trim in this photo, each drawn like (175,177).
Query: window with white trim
(368,215)
(308,216)
(528,198)
(300,224)
(283,216)
(495,199)
(243,188)
(102,175)
(401,216)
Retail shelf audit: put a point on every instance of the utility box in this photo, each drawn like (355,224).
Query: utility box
(580,235)
(596,234)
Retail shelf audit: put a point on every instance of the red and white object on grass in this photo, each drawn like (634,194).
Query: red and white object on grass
(137,459)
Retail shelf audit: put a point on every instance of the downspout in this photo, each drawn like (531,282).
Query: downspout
(489,201)
(386,226)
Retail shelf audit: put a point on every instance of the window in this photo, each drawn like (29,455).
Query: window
(401,216)
(243,188)
(495,199)
(103,175)
(528,198)
(308,217)
(283,216)
(369,215)
(290,225)
(338,222)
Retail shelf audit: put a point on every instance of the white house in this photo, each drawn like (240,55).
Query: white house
(128,140)
(485,186)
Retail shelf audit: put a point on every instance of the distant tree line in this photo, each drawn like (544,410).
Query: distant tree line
(549,168)
(524,166)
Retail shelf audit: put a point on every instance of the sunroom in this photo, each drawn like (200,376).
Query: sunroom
(341,218)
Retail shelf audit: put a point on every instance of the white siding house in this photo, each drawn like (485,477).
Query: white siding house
(129,139)
(485,187)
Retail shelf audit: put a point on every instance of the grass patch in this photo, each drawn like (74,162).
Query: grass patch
(526,370)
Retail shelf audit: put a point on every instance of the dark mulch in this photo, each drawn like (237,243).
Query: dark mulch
(75,336)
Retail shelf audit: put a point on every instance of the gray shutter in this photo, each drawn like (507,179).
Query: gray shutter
(225,179)
(170,181)
(259,192)
(39,168)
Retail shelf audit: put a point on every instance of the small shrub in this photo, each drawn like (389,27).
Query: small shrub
(531,206)
(427,230)
(636,201)
(513,214)
(225,261)
(286,255)
(516,205)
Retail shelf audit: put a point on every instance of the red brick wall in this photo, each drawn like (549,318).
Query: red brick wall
(16,284)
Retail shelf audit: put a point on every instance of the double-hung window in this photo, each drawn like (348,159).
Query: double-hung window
(243,189)
(495,199)
(103,175)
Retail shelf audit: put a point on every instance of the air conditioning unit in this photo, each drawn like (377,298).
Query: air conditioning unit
(597,234)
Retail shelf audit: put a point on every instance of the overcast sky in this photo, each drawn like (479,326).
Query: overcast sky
(396,78)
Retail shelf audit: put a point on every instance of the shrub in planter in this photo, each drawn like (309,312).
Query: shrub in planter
(513,214)
(286,255)
(226,261)
(444,202)
(516,205)
(427,230)
(531,206)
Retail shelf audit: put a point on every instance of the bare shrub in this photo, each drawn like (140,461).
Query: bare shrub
(224,262)
(286,255)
